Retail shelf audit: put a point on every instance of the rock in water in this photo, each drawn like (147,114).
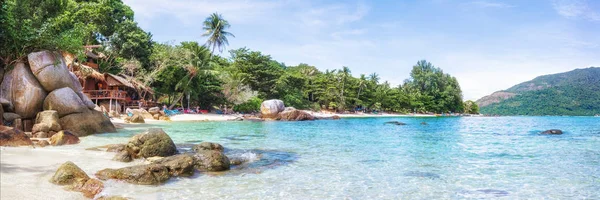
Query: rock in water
(396,123)
(179,165)
(27,93)
(336,117)
(271,108)
(153,142)
(123,156)
(65,101)
(210,157)
(46,121)
(69,173)
(90,188)
(63,137)
(87,123)
(553,132)
(13,137)
(207,146)
(295,115)
(152,174)
(50,70)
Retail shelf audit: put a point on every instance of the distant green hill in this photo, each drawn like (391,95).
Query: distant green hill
(575,92)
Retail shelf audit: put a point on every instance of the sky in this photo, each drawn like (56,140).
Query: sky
(488,45)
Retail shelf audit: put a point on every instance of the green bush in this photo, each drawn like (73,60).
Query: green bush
(252,105)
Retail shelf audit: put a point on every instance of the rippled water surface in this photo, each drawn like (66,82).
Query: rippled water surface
(449,158)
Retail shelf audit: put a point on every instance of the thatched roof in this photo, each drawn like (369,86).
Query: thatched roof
(119,80)
(83,71)
(138,84)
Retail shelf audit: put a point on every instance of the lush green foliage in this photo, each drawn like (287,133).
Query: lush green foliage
(571,93)
(471,107)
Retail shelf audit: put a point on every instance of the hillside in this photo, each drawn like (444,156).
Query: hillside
(575,92)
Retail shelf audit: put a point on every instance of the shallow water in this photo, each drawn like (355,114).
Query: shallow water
(450,158)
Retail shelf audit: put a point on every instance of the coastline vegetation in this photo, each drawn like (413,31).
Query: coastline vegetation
(190,73)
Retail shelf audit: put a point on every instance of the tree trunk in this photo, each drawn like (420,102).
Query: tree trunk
(175,102)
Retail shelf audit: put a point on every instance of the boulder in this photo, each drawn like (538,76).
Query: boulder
(6,91)
(295,115)
(63,138)
(90,188)
(13,137)
(553,132)
(123,156)
(142,112)
(151,174)
(65,101)
(270,108)
(116,147)
(154,110)
(164,118)
(50,69)
(153,142)
(9,117)
(69,173)
(156,116)
(336,117)
(178,165)
(42,143)
(114,114)
(27,93)
(207,146)
(136,118)
(86,100)
(87,123)
(40,135)
(46,121)
(211,160)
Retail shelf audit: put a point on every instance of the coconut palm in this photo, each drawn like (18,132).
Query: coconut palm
(215,28)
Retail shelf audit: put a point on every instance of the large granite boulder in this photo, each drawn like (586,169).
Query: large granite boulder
(153,142)
(46,121)
(270,108)
(27,93)
(136,118)
(151,174)
(51,70)
(154,110)
(65,101)
(69,173)
(13,137)
(87,123)
(553,132)
(178,165)
(63,138)
(6,91)
(79,91)
(144,113)
(295,115)
(210,157)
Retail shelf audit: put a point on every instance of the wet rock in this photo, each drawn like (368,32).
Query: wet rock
(153,142)
(553,132)
(9,117)
(154,110)
(271,108)
(64,138)
(69,173)
(295,115)
(210,157)
(13,137)
(236,161)
(396,123)
(336,117)
(116,147)
(151,174)
(65,101)
(50,69)
(123,156)
(178,165)
(424,123)
(90,188)
(87,123)
(27,93)
(46,121)
(207,146)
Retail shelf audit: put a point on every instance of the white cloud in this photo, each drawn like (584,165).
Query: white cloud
(575,9)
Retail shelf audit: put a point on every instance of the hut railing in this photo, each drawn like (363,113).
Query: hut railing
(106,94)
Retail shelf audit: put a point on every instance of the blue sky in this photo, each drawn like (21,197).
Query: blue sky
(488,45)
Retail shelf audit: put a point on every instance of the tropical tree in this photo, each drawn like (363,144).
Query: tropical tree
(215,27)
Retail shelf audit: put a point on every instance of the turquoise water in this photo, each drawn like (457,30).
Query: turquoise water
(450,158)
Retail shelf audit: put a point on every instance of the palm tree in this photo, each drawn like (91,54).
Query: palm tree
(215,28)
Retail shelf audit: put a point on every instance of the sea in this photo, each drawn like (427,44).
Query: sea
(351,158)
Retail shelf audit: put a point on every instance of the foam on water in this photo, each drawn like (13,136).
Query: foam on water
(450,158)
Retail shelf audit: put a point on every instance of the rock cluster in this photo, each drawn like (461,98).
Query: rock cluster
(71,176)
(45,84)
(275,109)
(140,115)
